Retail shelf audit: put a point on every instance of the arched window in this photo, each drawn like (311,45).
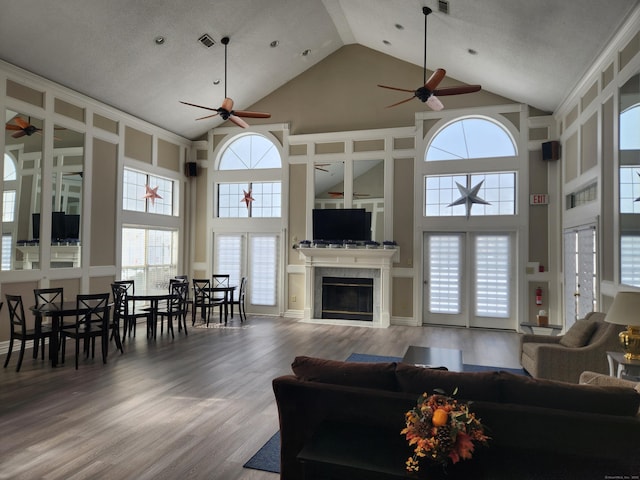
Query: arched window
(250,151)
(9,168)
(470,138)
(257,196)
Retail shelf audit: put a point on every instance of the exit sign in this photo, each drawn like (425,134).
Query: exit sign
(538,199)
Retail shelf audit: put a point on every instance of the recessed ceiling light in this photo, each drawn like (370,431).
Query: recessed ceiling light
(399,27)
(160,40)
(306,52)
(274,44)
(216,81)
(386,42)
(471,51)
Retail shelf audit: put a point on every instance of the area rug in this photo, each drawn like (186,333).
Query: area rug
(268,457)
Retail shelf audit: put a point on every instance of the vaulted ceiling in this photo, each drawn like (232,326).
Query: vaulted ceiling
(529,51)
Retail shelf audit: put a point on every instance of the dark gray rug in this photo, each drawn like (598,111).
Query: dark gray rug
(268,457)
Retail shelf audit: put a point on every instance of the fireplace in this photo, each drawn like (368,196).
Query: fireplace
(347,298)
(374,265)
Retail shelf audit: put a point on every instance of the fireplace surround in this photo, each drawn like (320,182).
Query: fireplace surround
(360,263)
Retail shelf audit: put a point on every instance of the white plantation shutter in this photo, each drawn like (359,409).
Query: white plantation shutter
(7,242)
(228,260)
(263,262)
(444,273)
(492,272)
(630,260)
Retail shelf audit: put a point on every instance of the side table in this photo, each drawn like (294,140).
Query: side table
(620,367)
(532,327)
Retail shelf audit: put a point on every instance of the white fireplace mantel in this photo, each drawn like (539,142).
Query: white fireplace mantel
(349,258)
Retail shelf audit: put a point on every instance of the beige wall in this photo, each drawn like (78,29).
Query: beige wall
(340,93)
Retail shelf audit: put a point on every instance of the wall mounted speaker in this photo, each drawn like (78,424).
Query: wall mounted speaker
(191,169)
(551,150)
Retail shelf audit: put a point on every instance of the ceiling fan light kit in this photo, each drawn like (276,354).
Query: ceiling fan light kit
(226,111)
(429,92)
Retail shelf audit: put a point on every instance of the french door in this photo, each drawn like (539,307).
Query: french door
(580,272)
(469,279)
(255,256)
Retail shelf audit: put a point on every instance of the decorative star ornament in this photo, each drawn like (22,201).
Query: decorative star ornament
(247,199)
(152,194)
(469,197)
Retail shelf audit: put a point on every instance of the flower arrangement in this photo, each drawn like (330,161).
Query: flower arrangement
(442,429)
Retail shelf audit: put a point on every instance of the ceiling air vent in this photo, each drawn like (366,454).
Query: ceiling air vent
(207,40)
(443,6)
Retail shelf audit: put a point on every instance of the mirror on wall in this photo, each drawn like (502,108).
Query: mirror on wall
(629,182)
(20,191)
(366,190)
(368,193)
(328,184)
(66,201)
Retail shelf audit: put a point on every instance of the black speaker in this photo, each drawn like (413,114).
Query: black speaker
(191,169)
(551,150)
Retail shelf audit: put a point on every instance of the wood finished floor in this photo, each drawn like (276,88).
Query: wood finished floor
(196,407)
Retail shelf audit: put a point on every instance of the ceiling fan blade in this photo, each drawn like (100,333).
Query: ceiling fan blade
(403,101)
(21,121)
(396,88)
(238,121)
(199,106)
(246,114)
(208,116)
(435,79)
(19,134)
(12,127)
(434,104)
(457,90)
(227,104)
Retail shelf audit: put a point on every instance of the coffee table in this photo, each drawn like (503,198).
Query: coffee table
(434,357)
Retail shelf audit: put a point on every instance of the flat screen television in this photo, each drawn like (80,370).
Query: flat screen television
(58,231)
(35,225)
(338,225)
(72,227)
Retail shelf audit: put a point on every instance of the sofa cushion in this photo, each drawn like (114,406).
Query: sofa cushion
(579,334)
(379,375)
(566,396)
(470,385)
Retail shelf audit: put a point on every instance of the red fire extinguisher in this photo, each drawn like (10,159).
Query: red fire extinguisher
(538,296)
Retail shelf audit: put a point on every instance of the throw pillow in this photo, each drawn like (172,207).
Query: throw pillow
(471,385)
(579,334)
(609,400)
(380,375)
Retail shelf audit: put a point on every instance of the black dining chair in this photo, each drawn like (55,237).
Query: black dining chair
(92,321)
(19,330)
(125,309)
(240,301)
(46,296)
(134,310)
(185,310)
(175,307)
(204,300)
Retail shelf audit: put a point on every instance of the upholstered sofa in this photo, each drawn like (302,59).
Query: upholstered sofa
(539,429)
(583,347)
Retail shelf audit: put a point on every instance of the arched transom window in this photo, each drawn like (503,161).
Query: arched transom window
(471,138)
(474,191)
(255,195)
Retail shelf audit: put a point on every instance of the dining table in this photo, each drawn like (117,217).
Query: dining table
(153,300)
(57,313)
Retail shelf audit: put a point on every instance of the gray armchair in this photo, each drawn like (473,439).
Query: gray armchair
(582,347)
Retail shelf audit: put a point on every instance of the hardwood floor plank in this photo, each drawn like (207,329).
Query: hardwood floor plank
(195,407)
